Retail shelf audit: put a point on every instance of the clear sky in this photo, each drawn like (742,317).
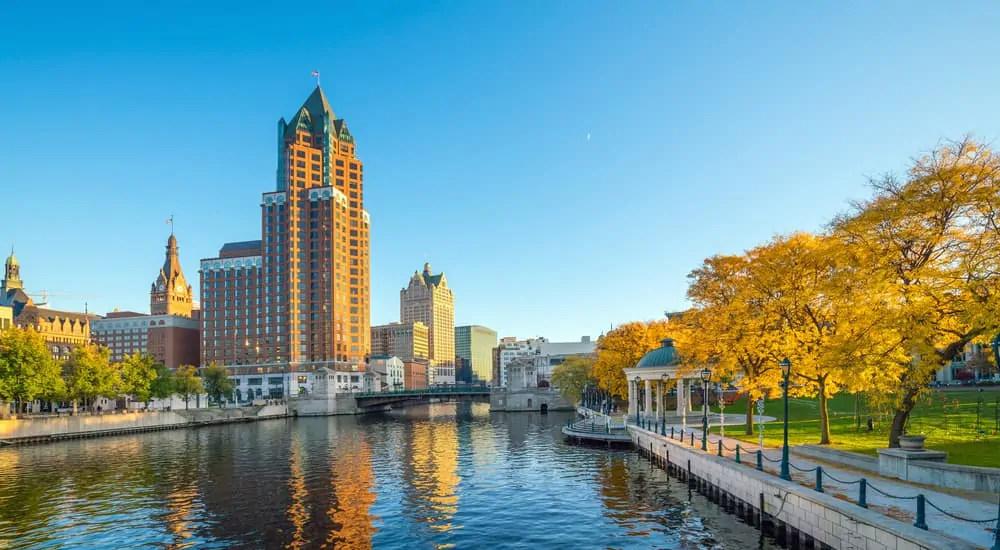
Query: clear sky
(712,126)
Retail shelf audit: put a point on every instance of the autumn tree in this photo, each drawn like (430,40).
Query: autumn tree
(138,372)
(27,370)
(931,242)
(89,374)
(217,382)
(731,329)
(832,321)
(572,376)
(622,348)
(187,384)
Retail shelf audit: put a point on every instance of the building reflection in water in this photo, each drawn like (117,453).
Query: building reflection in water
(352,484)
(298,515)
(431,469)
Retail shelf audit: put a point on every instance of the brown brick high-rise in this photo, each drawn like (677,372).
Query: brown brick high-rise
(300,295)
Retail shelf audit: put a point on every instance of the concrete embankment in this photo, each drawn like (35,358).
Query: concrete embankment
(45,429)
(796,515)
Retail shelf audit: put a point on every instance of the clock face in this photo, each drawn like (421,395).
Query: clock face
(180,287)
(160,286)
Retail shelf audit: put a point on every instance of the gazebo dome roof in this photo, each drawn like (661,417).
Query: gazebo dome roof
(663,356)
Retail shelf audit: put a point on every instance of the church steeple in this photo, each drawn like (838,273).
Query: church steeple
(12,272)
(171,294)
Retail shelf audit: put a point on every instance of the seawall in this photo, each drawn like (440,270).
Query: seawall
(797,516)
(41,430)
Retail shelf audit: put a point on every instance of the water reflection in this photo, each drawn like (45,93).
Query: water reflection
(438,476)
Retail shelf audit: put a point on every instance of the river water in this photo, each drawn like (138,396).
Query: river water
(436,476)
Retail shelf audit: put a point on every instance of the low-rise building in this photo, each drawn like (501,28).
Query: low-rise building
(6,317)
(546,355)
(61,330)
(415,374)
(393,369)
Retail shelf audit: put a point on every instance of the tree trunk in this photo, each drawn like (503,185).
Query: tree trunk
(4,410)
(748,429)
(901,416)
(824,414)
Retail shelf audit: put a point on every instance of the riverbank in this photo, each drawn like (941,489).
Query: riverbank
(22,431)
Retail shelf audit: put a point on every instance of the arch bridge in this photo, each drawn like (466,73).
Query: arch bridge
(417,397)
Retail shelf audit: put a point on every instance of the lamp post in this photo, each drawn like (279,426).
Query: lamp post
(706,375)
(663,399)
(786,368)
(637,400)
(721,394)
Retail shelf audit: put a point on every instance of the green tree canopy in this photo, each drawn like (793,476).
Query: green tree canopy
(162,386)
(138,371)
(572,376)
(187,384)
(89,374)
(27,370)
(217,382)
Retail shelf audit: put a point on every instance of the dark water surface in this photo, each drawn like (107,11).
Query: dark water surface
(438,476)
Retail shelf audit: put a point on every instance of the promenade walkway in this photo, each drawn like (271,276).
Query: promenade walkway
(970,517)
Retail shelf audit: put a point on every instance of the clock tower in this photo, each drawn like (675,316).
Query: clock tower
(171,294)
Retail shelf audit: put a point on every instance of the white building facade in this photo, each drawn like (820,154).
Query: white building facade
(546,355)
(392,367)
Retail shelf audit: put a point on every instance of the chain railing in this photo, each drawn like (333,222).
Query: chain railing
(922,501)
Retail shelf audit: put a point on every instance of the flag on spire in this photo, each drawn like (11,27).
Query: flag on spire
(316,74)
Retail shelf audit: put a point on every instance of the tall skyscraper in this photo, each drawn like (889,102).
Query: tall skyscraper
(474,345)
(300,295)
(429,300)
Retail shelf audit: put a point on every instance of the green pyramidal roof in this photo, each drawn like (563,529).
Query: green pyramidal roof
(311,113)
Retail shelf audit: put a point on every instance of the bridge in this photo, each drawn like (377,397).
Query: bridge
(415,397)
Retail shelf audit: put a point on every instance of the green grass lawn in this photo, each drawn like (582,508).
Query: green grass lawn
(947,417)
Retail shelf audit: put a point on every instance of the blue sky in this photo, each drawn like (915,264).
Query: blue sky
(712,127)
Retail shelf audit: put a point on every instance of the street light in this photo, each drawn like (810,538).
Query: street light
(637,400)
(995,344)
(706,375)
(663,398)
(786,369)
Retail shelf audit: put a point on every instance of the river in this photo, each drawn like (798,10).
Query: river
(436,476)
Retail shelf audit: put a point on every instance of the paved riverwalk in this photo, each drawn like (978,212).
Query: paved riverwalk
(970,517)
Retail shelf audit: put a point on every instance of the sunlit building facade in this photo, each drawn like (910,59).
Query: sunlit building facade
(298,298)
(428,299)
(474,347)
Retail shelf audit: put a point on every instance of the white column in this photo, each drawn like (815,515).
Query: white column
(659,398)
(649,397)
(687,396)
(680,397)
(632,398)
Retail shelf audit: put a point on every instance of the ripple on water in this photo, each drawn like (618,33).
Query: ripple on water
(439,476)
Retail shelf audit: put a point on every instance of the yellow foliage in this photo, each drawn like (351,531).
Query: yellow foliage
(622,348)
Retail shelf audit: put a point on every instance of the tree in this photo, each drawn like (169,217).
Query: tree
(187,383)
(88,374)
(162,386)
(932,244)
(27,370)
(572,376)
(138,371)
(832,323)
(622,348)
(217,382)
(732,329)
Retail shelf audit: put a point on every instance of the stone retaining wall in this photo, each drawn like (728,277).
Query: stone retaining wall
(829,521)
(27,428)
(854,460)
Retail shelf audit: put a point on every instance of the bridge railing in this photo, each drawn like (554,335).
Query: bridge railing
(443,390)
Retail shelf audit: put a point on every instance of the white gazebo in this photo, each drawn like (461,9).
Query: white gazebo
(655,371)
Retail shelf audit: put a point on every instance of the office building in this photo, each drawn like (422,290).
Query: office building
(298,298)
(474,353)
(428,299)
(404,340)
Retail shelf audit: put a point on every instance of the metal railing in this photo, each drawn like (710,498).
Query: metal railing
(443,390)
(863,484)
